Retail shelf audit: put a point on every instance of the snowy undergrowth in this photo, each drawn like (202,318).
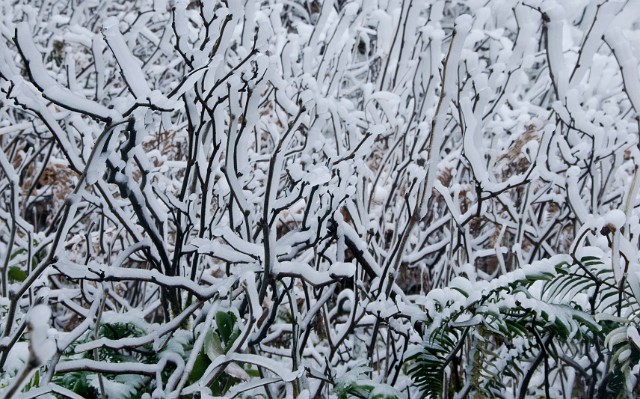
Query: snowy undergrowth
(567,315)
(273,199)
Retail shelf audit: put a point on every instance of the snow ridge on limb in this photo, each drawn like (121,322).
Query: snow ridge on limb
(129,66)
(51,89)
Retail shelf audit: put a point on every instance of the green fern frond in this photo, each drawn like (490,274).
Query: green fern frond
(499,332)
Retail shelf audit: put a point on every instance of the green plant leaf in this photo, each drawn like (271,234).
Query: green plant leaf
(199,367)
(16,274)
(212,345)
(226,322)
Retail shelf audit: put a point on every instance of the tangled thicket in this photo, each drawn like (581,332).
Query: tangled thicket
(272,198)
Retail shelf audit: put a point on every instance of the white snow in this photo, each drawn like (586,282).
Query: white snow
(129,65)
(616,218)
